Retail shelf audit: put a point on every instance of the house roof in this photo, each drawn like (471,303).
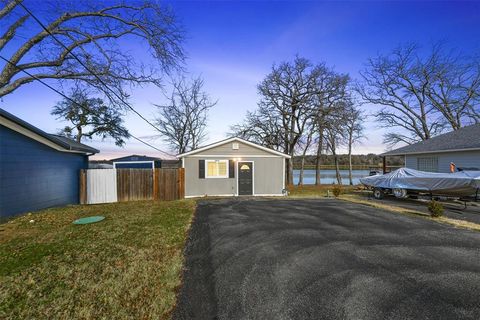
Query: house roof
(74,145)
(144,158)
(213,145)
(63,143)
(463,139)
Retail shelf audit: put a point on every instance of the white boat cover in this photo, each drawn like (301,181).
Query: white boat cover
(458,183)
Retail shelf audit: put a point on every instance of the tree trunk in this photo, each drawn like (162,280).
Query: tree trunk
(337,170)
(300,177)
(350,160)
(318,159)
(79,134)
(302,167)
(290,170)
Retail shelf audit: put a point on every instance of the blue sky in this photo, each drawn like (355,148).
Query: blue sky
(233,45)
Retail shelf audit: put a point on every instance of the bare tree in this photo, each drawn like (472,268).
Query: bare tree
(454,87)
(297,101)
(182,122)
(89,31)
(335,132)
(421,94)
(333,140)
(397,82)
(287,94)
(260,126)
(354,129)
(331,89)
(90,117)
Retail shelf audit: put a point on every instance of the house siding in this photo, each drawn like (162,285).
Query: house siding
(468,159)
(195,186)
(243,150)
(268,177)
(268,171)
(34,176)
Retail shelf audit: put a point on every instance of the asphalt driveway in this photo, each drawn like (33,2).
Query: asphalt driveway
(325,259)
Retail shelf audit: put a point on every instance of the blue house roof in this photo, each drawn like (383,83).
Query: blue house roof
(63,142)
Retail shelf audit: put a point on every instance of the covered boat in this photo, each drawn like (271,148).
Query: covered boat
(404,180)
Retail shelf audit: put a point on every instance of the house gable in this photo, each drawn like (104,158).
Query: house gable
(234,147)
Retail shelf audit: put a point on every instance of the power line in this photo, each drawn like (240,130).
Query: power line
(86,67)
(70,99)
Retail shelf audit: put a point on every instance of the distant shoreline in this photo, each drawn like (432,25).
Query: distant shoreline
(342,167)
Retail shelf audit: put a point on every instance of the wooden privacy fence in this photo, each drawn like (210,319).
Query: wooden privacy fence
(118,185)
(134,184)
(169,177)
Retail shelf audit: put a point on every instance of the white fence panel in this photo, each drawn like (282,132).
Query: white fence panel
(101,186)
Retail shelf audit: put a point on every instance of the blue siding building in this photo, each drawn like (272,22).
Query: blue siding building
(135,161)
(37,170)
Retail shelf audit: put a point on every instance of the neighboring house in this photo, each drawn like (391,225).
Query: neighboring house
(234,167)
(100,164)
(462,147)
(135,161)
(37,170)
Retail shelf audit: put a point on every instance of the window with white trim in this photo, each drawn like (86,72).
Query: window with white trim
(216,169)
(429,164)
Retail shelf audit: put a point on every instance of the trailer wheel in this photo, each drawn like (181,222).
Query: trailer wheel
(378,193)
(400,193)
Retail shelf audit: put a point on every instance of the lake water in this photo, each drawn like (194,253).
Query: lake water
(328,176)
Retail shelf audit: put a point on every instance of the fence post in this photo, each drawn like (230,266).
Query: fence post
(82,188)
(181,183)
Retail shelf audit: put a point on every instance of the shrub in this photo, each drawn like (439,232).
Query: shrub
(337,190)
(435,208)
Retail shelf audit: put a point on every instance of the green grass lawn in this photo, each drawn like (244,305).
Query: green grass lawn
(314,191)
(127,266)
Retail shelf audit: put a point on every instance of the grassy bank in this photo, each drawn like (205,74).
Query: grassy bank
(341,167)
(315,191)
(127,266)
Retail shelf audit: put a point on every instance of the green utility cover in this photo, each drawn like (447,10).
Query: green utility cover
(89,220)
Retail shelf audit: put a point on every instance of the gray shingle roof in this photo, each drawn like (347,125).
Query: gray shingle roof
(63,142)
(465,138)
(74,145)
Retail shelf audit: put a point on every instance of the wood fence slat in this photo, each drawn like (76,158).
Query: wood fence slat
(83,187)
(181,183)
(120,184)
